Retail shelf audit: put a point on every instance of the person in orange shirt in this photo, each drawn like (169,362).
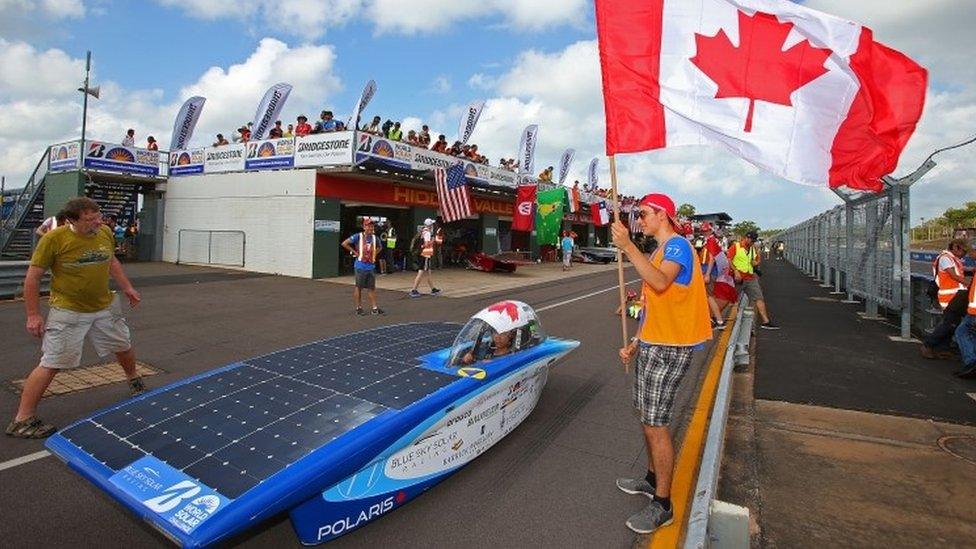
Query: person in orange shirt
(303,128)
(675,324)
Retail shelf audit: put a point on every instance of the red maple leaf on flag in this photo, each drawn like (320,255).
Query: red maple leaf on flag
(506,307)
(758,68)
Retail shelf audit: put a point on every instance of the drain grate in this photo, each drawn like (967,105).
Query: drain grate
(960,446)
(86,377)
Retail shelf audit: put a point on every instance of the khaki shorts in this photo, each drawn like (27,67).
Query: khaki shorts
(65,331)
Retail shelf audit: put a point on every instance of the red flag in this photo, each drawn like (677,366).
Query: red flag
(524,217)
(803,94)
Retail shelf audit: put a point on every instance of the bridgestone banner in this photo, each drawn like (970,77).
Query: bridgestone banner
(469,120)
(324,149)
(526,159)
(186,121)
(564,163)
(269,109)
(228,158)
(591,173)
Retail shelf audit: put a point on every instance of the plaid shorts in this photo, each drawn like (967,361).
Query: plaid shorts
(659,371)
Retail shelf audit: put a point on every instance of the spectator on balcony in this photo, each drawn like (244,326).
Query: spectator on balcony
(395,133)
(385,128)
(373,127)
(220,142)
(473,153)
(424,136)
(276,132)
(340,126)
(130,138)
(546,175)
(244,134)
(151,144)
(326,123)
(303,128)
(290,131)
(441,144)
(412,138)
(456,149)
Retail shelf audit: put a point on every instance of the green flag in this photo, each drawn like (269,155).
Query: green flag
(549,216)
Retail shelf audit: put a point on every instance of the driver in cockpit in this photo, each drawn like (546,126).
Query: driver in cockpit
(501,344)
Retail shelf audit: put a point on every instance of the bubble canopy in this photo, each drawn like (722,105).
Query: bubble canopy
(500,329)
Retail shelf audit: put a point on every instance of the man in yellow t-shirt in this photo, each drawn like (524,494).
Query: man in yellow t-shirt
(675,324)
(80,257)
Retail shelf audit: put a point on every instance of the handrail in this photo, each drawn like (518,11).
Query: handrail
(24,201)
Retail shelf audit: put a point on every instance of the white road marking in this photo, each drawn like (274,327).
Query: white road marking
(44,453)
(9,464)
(591,294)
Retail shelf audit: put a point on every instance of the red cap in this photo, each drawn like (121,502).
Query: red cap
(367,221)
(661,202)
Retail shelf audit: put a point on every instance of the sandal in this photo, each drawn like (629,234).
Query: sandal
(31,427)
(137,386)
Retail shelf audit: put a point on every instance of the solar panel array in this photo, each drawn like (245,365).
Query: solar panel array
(233,429)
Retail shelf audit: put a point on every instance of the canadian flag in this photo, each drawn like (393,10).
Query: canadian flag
(803,94)
(600,213)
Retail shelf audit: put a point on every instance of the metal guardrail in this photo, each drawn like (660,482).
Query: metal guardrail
(24,201)
(699,534)
(12,274)
(206,247)
(861,248)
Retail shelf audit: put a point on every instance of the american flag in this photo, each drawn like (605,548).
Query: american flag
(635,220)
(452,193)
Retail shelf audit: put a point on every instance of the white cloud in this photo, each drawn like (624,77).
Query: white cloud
(54,9)
(311,18)
(481,81)
(441,84)
(303,18)
(41,106)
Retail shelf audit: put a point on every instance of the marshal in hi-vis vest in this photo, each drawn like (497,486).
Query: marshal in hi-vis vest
(366,253)
(947,286)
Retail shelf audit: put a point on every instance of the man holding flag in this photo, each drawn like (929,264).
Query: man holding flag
(675,326)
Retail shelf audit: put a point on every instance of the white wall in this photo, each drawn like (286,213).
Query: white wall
(275,209)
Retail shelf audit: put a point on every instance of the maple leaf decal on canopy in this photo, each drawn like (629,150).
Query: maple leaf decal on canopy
(506,307)
(759,69)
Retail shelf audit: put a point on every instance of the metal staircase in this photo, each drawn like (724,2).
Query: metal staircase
(17,229)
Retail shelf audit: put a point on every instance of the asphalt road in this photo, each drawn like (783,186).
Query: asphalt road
(550,483)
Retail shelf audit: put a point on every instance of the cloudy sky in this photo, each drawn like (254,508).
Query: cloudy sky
(533,62)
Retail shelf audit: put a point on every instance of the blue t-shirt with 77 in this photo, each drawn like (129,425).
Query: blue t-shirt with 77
(367,252)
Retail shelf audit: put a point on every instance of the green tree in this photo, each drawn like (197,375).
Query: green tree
(686,210)
(743,227)
(960,217)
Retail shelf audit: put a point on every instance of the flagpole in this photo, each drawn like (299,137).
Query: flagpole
(620,257)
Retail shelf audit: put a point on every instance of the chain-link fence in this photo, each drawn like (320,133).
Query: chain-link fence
(859,248)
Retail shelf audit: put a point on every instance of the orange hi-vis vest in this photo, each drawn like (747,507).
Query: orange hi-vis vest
(972,299)
(363,248)
(427,242)
(947,286)
(678,316)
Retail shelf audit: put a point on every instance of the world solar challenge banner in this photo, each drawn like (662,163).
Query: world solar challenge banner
(117,158)
(63,156)
(186,162)
(270,154)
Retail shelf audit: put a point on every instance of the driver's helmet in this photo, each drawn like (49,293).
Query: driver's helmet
(478,335)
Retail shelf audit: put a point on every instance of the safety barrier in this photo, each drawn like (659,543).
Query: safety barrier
(861,248)
(704,528)
(206,247)
(12,275)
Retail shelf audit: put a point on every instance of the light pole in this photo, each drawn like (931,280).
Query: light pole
(86,90)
